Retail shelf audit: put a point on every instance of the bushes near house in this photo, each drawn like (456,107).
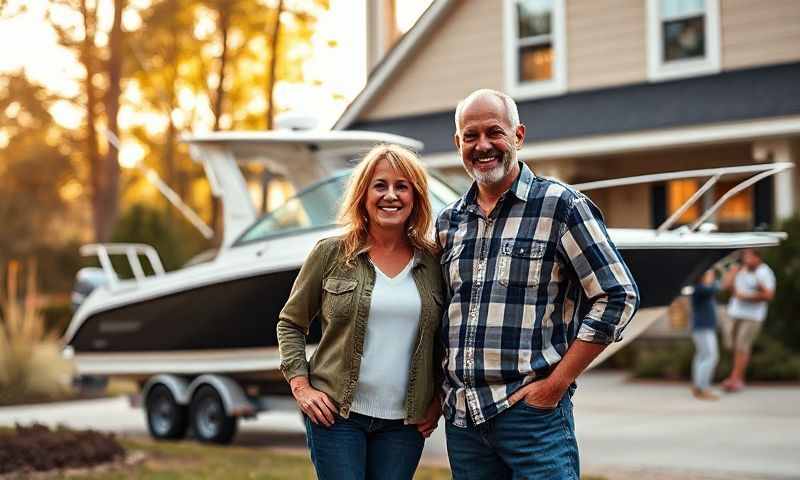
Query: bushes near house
(771,360)
(782,323)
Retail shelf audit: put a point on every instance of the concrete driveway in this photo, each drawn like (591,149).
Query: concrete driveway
(626,430)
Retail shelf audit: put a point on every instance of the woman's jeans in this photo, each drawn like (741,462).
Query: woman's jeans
(520,442)
(362,447)
(705,357)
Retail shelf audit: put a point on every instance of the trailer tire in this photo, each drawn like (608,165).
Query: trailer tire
(210,422)
(166,419)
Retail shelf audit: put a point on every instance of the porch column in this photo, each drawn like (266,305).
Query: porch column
(785,182)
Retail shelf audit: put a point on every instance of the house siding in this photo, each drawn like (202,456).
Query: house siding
(605,43)
(606,47)
(759,33)
(464,52)
(758,93)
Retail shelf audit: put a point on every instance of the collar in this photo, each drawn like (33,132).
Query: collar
(520,188)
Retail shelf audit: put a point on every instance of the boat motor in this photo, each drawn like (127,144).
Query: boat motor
(86,280)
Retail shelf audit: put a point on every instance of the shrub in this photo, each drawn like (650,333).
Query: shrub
(672,360)
(31,365)
(785,262)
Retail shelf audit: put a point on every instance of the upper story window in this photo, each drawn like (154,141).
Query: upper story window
(535,47)
(683,38)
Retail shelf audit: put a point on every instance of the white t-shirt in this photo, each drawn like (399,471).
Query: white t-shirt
(747,282)
(392,327)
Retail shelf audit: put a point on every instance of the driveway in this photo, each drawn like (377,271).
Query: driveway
(626,430)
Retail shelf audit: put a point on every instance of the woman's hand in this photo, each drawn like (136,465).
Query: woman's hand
(431,419)
(314,403)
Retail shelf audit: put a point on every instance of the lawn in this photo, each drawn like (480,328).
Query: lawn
(191,460)
(151,460)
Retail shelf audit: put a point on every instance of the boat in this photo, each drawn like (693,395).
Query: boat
(219,316)
(216,318)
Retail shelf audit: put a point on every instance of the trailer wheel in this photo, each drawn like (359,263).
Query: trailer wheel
(166,420)
(210,422)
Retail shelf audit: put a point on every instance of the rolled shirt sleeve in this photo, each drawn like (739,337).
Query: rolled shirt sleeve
(603,275)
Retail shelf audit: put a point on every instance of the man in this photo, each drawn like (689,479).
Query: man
(751,288)
(536,290)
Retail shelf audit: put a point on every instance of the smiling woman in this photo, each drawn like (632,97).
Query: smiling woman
(377,292)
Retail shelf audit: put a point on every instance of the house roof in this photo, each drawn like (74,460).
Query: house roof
(393,60)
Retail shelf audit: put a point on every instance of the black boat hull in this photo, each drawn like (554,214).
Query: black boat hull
(242,313)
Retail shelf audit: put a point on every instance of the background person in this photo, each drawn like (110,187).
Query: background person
(704,335)
(367,393)
(752,286)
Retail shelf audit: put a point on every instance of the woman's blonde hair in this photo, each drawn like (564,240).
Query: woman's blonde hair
(353,213)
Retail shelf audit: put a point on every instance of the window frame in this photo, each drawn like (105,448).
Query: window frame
(542,88)
(658,69)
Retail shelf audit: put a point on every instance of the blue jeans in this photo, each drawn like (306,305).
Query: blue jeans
(520,442)
(362,447)
(705,357)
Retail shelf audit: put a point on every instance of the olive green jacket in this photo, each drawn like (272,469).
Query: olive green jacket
(339,296)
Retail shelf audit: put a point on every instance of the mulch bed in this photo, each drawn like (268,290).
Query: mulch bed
(37,448)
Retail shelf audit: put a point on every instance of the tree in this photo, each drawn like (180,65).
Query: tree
(38,178)
(102,87)
(175,60)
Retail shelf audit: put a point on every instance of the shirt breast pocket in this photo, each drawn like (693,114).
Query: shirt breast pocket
(450,265)
(520,262)
(337,300)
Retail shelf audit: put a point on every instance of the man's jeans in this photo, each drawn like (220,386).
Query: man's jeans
(362,447)
(521,442)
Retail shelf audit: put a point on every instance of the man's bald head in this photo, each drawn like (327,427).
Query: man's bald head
(510,105)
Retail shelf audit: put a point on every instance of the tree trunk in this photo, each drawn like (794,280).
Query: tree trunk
(223,26)
(87,55)
(273,64)
(170,166)
(110,187)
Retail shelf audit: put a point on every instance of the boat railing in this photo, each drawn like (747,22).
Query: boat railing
(759,172)
(132,251)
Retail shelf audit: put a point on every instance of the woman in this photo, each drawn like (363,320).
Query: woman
(704,334)
(368,394)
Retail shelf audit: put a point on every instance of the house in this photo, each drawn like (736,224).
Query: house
(607,89)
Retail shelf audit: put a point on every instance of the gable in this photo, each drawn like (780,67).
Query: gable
(462,53)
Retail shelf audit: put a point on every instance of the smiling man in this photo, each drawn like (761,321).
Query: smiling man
(536,290)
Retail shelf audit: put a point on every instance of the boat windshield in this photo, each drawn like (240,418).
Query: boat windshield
(317,206)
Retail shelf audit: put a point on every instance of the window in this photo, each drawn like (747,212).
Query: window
(737,212)
(683,38)
(678,193)
(535,47)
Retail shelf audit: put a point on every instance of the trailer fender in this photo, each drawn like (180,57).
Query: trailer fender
(178,386)
(233,397)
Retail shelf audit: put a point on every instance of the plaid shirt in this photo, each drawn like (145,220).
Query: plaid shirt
(522,283)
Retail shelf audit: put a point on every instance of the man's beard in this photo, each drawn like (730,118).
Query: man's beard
(495,175)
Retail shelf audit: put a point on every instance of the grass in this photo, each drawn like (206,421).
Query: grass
(191,460)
